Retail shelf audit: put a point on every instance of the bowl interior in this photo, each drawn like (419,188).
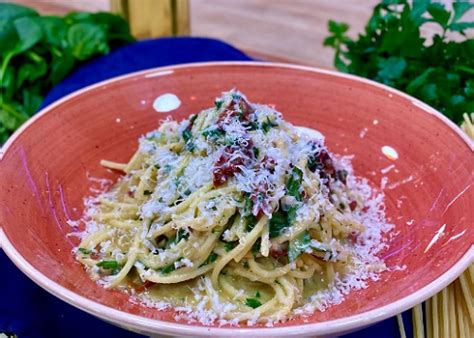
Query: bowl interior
(46,171)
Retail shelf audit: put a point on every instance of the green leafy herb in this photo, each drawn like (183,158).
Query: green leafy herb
(256,152)
(147,192)
(392,51)
(228,246)
(218,104)
(181,234)
(84,251)
(250,219)
(291,214)
(257,294)
(298,245)
(268,124)
(216,135)
(109,265)
(210,259)
(278,223)
(294,183)
(253,303)
(192,118)
(256,247)
(188,140)
(36,52)
(168,268)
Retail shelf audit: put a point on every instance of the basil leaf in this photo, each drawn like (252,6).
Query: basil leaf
(29,33)
(87,39)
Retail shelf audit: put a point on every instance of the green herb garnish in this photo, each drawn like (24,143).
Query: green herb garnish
(109,265)
(180,235)
(268,124)
(257,294)
(84,251)
(298,245)
(210,259)
(294,183)
(278,223)
(213,133)
(147,192)
(256,247)
(218,104)
(168,268)
(253,303)
(192,118)
(256,152)
(228,246)
(188,140)
(393,51)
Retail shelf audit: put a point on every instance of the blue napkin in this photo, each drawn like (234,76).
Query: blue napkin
(29,311)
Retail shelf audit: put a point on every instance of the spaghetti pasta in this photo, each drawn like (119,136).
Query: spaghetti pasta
(234,215)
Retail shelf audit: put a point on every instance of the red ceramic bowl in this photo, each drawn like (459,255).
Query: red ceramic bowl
(428,188)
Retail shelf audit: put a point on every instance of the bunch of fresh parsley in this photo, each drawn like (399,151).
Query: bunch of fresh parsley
(391,50)
(36,52)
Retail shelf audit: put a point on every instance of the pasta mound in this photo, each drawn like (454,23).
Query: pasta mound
(234,215)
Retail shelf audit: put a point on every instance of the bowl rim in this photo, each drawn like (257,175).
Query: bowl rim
(148,325)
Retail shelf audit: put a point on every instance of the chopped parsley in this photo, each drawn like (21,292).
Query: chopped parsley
(188,140)
(257,294)
(256,152)
(109,265)
(181,234)
(256,247)
(147,192)
(278,223)
(268,124)
(298,245)
(341,175)
(218,104)
(228,246)
(168,268)
(210,259)
(253,303)
(292,214)
(250,219)
(213,134)
(84,251)
(294,183)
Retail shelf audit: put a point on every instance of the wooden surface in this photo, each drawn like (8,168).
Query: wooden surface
(280,30)
(284,30)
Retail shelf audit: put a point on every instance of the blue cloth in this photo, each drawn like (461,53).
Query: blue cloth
(28,310)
